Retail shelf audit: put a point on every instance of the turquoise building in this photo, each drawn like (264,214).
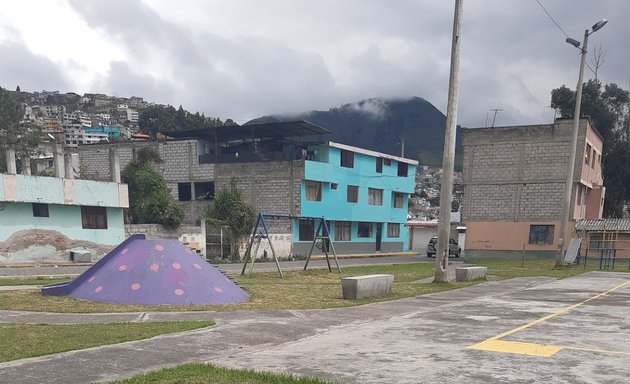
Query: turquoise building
(47,210)
(363,195)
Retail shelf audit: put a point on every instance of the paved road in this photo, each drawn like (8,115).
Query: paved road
(69,269)
(524,330)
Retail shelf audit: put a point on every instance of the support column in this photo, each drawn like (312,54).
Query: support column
(67,162)
(11,166)
(26,165)
(58,161)
(114,165)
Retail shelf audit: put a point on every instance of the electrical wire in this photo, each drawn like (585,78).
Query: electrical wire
(550,17)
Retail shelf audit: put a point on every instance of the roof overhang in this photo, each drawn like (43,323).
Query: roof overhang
(252,131)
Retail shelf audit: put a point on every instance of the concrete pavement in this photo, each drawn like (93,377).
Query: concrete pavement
(511,326)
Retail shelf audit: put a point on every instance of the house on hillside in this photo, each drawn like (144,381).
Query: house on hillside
(285,168)
(42,217)
(514,185)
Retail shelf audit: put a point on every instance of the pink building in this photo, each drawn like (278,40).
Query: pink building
(514,183)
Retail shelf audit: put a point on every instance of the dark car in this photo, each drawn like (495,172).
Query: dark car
(453,248)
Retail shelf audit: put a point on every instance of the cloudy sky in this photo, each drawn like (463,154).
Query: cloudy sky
(242,59)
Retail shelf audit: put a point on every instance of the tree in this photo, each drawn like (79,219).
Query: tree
(23,137)
(229,209)
(607,107)
(149,198)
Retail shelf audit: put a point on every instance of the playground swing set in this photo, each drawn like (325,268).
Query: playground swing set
(321,240)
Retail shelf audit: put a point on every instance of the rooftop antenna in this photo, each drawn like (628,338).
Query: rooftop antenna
(495,110)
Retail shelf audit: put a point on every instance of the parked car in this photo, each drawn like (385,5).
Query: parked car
(453,248)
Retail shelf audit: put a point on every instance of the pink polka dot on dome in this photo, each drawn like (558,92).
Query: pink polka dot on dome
(154,267)
(125,250)
(197,266)
(218,290)
(91,279)
(177,266)
(135,286)
(159,247)
(122,268)
(179,292)
(98,289)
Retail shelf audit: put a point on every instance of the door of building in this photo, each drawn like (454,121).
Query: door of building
(379,234)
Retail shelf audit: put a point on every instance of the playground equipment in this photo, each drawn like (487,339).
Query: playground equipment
(151,272)
(321,240)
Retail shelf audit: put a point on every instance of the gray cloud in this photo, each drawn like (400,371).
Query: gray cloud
(255,58)
(21,67)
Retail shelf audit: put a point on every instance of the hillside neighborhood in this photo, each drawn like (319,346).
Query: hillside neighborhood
(314,192)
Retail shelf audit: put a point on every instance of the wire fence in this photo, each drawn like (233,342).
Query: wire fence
(605,254)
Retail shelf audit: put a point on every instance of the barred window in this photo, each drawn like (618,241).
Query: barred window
(94,217)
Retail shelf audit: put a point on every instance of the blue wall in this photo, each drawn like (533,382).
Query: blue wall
(334,205)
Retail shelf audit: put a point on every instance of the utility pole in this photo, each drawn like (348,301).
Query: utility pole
(448,159)
(567,214)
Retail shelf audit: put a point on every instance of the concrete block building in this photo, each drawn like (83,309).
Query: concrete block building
(284,168)
(514,185)
(42,217)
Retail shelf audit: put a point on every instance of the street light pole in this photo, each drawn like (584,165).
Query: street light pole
(448,158)
(566,206)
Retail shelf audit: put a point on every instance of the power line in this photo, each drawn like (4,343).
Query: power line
(550,17)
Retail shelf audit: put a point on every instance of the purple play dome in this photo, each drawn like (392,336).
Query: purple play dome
(151,272)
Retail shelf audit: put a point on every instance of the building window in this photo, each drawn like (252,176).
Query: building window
(313,190)
(333,186)
(364,229)
(402,169)
(353,194)
(342,231)
(347,159)
(375,196)
(379,165)
(387,162)
(393,230)
(94,217)
(184,191)
(398,199)
(587,155)
(541,234)
(204,190)
(40,210)
(579,196)
(306,230)
(593,159)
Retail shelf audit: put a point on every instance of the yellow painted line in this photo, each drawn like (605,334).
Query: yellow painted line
(533,349)
(517,347)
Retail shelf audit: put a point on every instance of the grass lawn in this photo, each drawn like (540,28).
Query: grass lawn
(39,280)
(18,341)
(202,373)
(302,290)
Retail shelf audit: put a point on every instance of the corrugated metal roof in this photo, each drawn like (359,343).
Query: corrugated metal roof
(601,225)
(248,131)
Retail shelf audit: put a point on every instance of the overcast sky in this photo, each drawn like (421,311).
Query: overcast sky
(246,58)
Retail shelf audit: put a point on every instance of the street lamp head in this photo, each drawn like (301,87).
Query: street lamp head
(573,42)
(597,26)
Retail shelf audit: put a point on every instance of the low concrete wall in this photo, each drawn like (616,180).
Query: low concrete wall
(470,273)
(349,247)
(191,236)
(359,287)
(281,244)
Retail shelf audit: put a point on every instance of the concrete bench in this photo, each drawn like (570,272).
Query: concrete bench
(359,287)
(470,273)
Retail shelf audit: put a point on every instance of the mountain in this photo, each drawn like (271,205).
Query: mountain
(380,124)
